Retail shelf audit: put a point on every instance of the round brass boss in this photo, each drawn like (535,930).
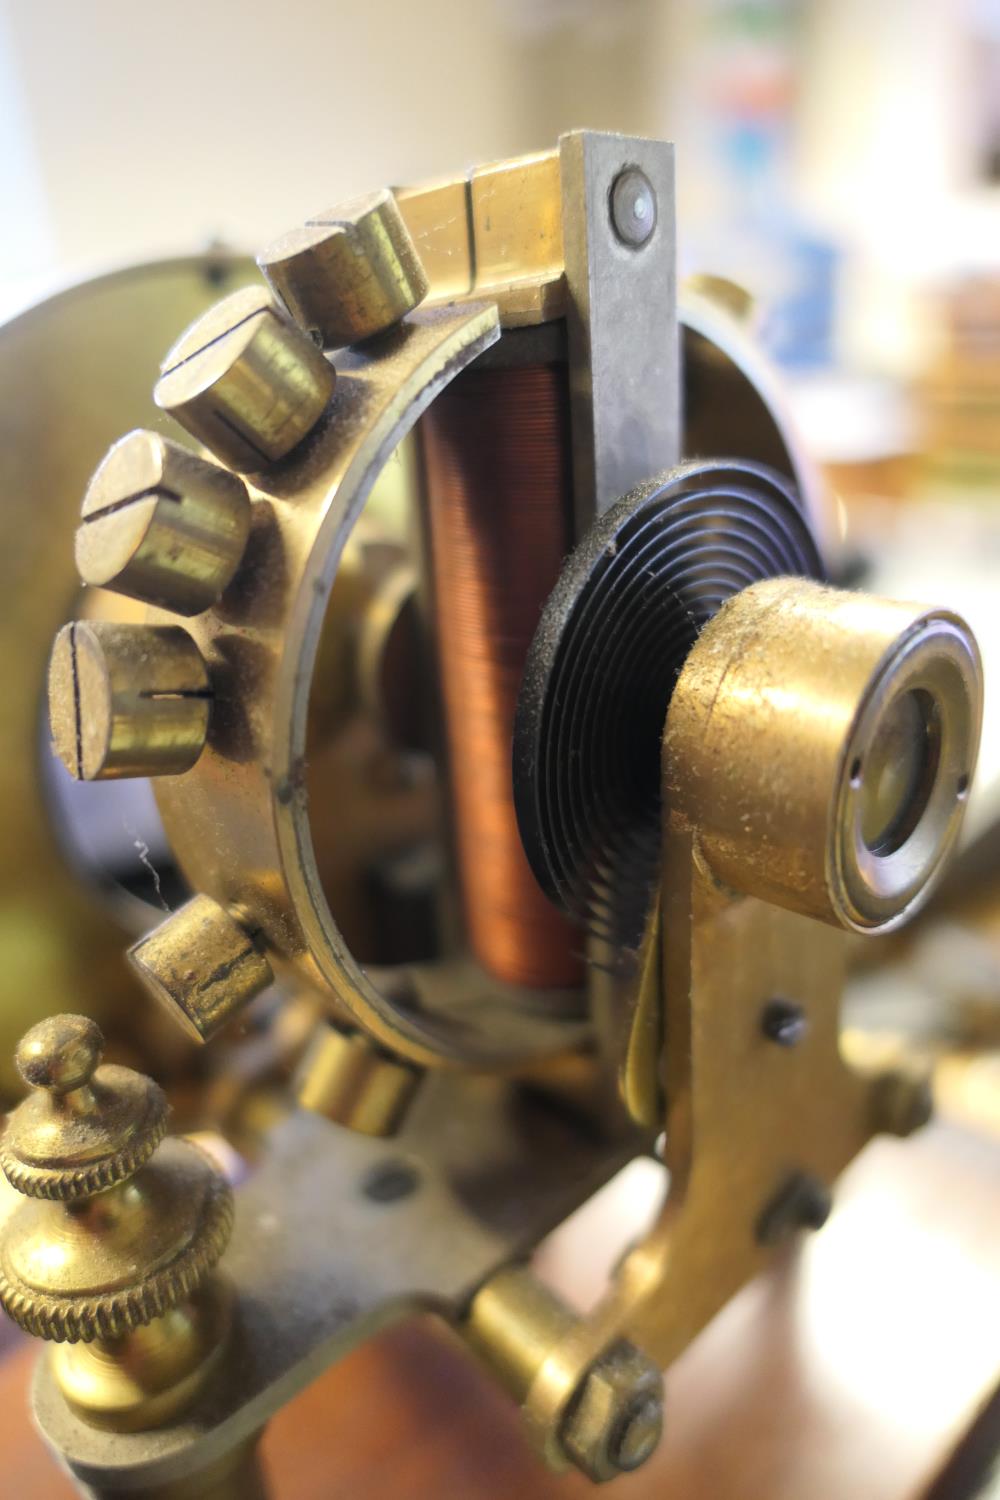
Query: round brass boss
(906,772)
(840,732)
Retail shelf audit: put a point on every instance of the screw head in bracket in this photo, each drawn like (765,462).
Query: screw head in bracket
(633,207)
(350,272)
(127,700)
(162,525)
(245,381)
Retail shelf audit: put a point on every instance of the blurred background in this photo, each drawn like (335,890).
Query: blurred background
(837,159)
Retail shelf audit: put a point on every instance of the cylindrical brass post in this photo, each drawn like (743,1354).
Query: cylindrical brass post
(127,700)
(162,525)
(350,272)
(202,965)
(345,1077)
(839,735)
(246,381)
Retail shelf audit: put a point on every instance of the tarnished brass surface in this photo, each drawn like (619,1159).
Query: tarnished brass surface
(78,1131)
(202,965)
(349,273)
(161,525)
(346,1079)
(337,1234)
(246,382)
(824,819)
(112,1268)
(127,700)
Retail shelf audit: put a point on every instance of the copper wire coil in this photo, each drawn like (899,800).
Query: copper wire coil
(496,452)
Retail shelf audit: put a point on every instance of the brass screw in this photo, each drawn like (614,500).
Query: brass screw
(110,1257)
(245,381)
(202,965)
(350,272)
(161,525)
(127,700)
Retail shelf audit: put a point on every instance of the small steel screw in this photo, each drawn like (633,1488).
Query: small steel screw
(804,1202)
(633,207)
(784,1022)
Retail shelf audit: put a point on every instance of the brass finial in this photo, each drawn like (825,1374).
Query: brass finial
(109,1254)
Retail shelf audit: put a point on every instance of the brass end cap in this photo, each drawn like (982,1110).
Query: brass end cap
(350,272)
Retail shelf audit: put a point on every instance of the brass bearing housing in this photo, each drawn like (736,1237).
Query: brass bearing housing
(851,817)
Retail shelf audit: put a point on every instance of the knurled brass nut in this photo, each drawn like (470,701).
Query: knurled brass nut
(161,525)
(348,273)
(245,381)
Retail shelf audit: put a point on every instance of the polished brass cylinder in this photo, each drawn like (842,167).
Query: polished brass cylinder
(202,965)
(245,381)
(349,1080)
(837,739)
(127,700)
(514,1323)
(350,272)
(162,525)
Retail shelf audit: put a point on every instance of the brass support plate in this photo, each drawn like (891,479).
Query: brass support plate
(337,1235)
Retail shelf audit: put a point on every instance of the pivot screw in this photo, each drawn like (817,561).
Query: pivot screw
(633,207)
(784,1022)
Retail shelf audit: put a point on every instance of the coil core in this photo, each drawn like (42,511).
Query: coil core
(496,453)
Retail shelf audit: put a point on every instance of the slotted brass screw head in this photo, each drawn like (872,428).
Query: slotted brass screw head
(127,700)
(162,525)
(119,1225)
(202,965)
(348,273)
(245,381)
